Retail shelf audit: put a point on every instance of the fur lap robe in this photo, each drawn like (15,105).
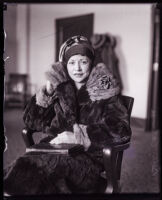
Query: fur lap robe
(96,116)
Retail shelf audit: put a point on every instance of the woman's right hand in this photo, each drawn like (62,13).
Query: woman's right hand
(64,137)
(49,88)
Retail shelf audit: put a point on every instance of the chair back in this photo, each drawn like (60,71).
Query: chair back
(128,103)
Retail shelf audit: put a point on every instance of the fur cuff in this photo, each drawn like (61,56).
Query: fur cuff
(57,74)
(42,99)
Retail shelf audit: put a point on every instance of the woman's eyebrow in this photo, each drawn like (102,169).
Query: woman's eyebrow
(78,59)
(83,59)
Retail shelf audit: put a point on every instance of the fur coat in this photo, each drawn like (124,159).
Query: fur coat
(96,106)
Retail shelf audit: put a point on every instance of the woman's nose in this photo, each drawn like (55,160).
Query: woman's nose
(77,66)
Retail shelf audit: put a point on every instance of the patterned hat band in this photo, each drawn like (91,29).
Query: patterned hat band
(79,49)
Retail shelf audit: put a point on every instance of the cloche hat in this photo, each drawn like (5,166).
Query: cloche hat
(76,45)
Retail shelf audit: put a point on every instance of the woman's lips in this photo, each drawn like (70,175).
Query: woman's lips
(78,75)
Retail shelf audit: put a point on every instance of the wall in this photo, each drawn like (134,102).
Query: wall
(10,43)
(130,23)
(22,38)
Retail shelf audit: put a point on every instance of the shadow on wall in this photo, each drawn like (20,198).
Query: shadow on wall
(122,65)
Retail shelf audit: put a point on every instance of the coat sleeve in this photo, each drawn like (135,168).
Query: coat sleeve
(36,117)
(114,127)
(52,114)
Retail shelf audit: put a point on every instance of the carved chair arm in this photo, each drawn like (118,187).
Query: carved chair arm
(27,135)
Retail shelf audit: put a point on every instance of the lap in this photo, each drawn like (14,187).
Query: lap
(35,169)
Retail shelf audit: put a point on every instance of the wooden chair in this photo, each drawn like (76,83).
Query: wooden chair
(112,155)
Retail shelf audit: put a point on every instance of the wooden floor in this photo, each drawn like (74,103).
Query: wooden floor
(140,169)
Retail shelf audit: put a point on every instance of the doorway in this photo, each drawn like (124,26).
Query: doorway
(68,27)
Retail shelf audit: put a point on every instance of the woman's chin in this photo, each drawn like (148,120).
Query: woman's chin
(79,80)
(82,79)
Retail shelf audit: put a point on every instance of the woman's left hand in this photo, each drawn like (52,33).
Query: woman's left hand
(81,135)
(64,137)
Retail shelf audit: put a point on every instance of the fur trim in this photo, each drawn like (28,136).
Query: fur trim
(57,74)
(81,135)
(101,83)
(42,99)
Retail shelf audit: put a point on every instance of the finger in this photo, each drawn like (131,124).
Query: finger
(77,136)
(53,79)
(53,141)
(49,87)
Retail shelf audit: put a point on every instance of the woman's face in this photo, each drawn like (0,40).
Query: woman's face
(79,68)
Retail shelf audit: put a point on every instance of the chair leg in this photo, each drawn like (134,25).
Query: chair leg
(115,172)
(118,164)
(117,187)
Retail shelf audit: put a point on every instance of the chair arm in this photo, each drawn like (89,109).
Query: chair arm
(121,147)
(27,135)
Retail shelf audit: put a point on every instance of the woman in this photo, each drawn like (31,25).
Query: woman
(80,104)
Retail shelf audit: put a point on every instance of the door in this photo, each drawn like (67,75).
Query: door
(68,27)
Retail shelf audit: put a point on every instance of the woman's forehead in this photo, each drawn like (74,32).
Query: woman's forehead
(78,57)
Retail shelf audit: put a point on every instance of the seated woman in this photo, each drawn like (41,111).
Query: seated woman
(79,104)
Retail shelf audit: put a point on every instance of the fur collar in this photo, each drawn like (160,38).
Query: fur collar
(100,85)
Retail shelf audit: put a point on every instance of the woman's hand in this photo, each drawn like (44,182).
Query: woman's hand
(64,137)
(49,88)
(81,135)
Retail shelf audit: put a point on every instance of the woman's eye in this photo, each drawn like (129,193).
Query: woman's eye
(71,62)
(84,62)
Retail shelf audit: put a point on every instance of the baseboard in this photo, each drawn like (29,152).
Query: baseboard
(138,122)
